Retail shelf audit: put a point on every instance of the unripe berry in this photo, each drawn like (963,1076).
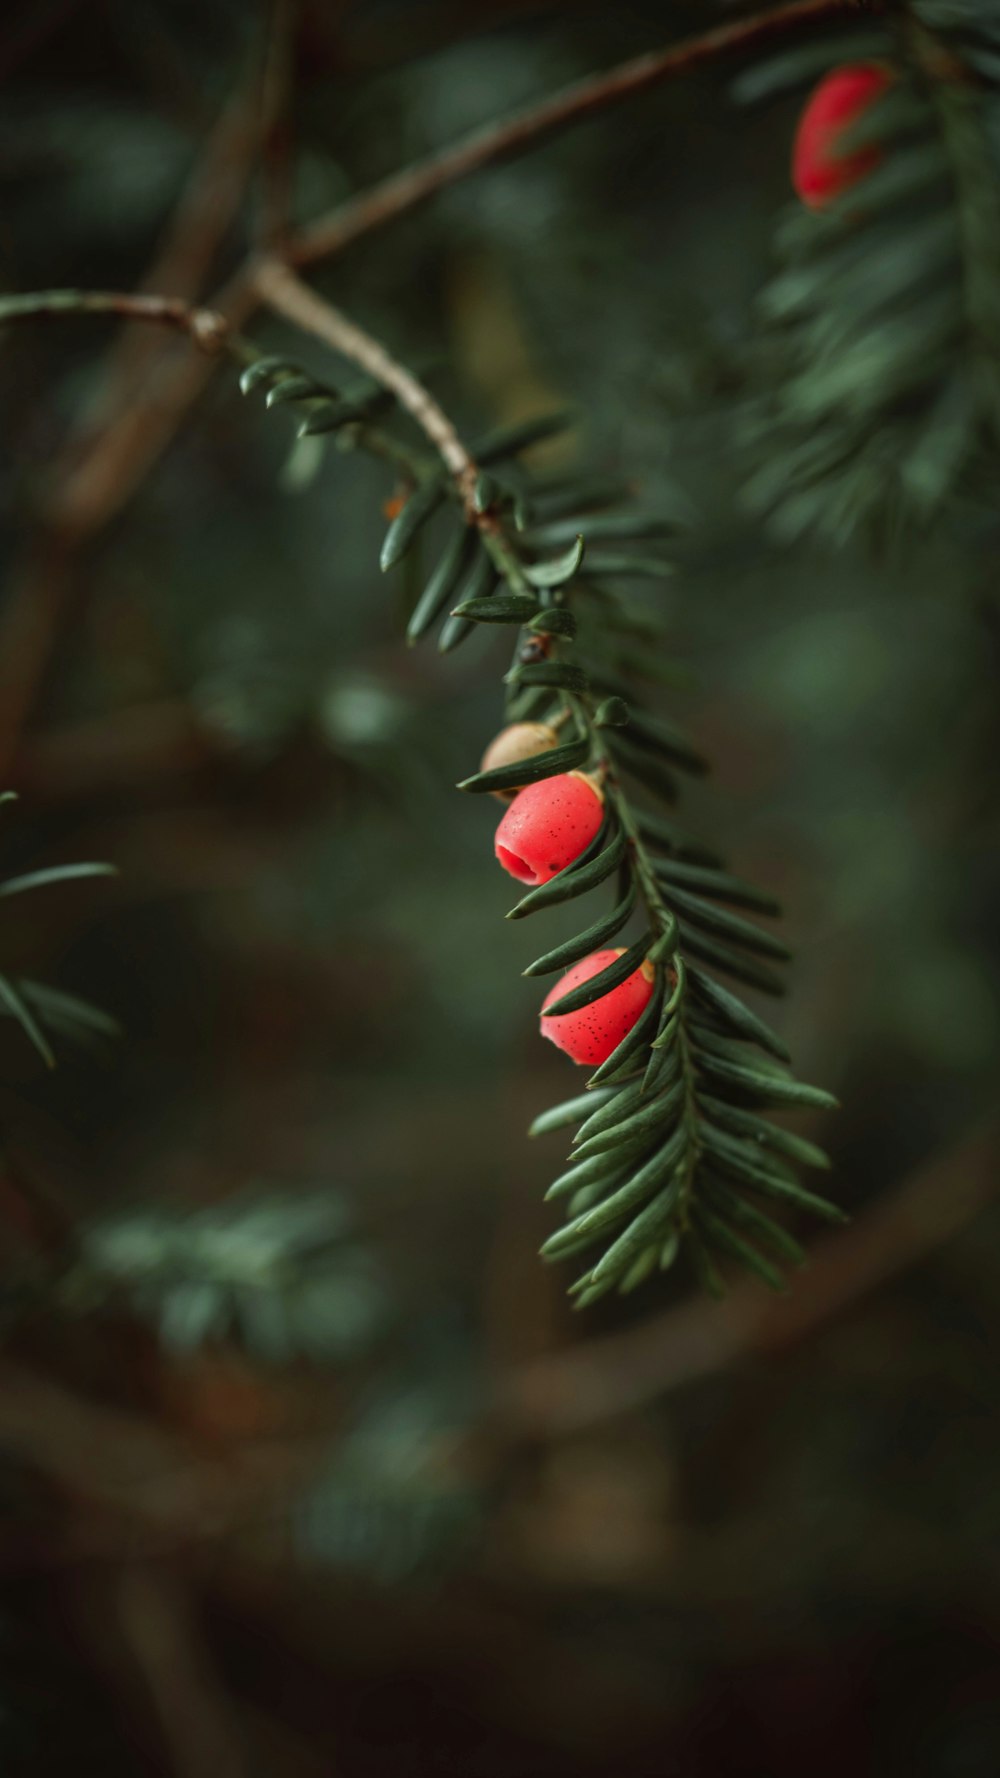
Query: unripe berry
(820,172)
(594,1033)
(548,825)
(522,740)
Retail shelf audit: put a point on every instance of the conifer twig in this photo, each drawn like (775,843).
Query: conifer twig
(279,287)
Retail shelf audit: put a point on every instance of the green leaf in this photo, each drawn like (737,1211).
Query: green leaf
(453,565)
(58,873)
(613,713)
(549,764)
(718,1234)
(607,1111)
(569,1112)
(562,675)
(778,73)
(728,926)
(509,441)
(716,884)
(602,983)
(768,1232)
(576,879)
(771,1185)
(501,608)
(15,1004)
(486,493)
(704,1269)
(554,620)
(482,578)
(424,501)
(330,416)
(734,963)
(651,1116)
(591,940)
(67,1012)
(606,562)
(556,572)
(453,632)
(664,1063)
(264,370)
(657,831)
(606,527)
(771,1089)
(643,1268)
(660,736)
(732,1012)
(643,766)
(565,498)
(761,1132)
(650,1224)
(595,1221)
(297,388)
(606,1168)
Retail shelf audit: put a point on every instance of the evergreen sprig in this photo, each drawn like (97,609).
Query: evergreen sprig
(675,1143)
(878,371)
(275,1271)
(42,1011)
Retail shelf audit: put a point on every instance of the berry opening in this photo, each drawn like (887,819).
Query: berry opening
(516,866)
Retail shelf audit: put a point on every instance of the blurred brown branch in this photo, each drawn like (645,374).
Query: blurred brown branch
(503,141)
(118,442)
(598,1379)
(156,1612)
(201,325)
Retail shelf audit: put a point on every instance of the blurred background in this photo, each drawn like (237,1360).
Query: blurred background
(306,1466)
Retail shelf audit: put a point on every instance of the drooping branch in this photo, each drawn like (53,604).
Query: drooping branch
(283,291)
(495,142)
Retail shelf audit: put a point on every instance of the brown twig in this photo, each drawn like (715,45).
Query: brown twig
(160,1625)
(279,287)
(496,142)
(593,1382)
(276,167)
(204,326)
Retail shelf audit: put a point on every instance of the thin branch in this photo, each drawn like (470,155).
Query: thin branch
(161,1628)
(276,159)
(206,327)
(279,287)
(496,142)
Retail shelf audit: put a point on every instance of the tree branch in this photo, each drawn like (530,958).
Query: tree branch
(497,142)
(279,287)
(207,328)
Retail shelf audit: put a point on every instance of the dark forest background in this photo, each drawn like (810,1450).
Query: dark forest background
(306,1465)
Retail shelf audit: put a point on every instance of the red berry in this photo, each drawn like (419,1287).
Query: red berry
(592,1034)
(820,172)
(548,825)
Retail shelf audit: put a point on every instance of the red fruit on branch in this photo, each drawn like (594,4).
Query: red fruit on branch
(521,740)
(548,825)
(594,1033)
(821,170)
